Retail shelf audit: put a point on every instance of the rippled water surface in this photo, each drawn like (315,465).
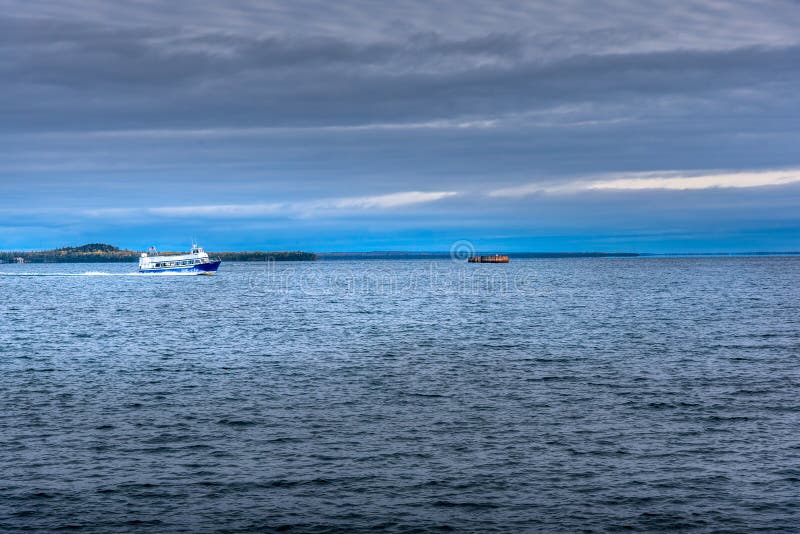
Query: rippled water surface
(542,395)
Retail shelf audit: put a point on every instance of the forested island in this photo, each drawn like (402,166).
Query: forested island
(103,253)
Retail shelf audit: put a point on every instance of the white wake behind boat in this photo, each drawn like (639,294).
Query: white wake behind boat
(195,262)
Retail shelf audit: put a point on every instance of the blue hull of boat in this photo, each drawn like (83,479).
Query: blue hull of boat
(203,268)
(210,267)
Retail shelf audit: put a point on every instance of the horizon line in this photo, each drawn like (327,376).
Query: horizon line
(450,252)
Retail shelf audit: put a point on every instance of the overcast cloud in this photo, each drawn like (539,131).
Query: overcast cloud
(353,125)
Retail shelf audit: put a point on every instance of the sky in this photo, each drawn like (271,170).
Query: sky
(602,125)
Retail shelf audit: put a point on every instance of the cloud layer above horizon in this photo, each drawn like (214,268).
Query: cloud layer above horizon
(354,126)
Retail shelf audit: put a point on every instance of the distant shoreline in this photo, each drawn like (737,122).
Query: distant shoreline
(400,255)
(103,253)
(342,256)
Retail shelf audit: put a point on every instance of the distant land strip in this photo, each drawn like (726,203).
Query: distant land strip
(400,255)
(103,253)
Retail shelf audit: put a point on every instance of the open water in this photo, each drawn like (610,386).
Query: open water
(552,395)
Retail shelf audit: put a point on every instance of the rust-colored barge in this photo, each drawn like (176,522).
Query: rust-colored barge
(494,258)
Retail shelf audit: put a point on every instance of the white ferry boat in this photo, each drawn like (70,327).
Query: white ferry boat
(196,262)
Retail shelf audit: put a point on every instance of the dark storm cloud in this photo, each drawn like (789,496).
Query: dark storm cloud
(62,54)
(642,24)
(68,76)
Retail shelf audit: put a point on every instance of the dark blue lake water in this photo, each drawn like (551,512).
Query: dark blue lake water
(543,395)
